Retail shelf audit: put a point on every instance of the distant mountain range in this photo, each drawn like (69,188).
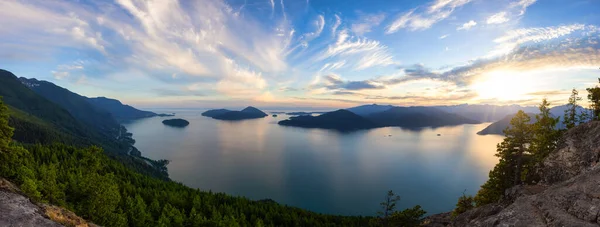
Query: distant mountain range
(497,128)
(43,113)
(417,117)
(365,110)
(234,115)
(485,112)
(92,110)
(120,111)
(373,116)
(342,120)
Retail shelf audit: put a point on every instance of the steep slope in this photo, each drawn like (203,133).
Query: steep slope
(568,195)
(413,117)
(39,120)
(118,110)
(30,109)
(342,120)
(365,110)
(18,210)
(77,105)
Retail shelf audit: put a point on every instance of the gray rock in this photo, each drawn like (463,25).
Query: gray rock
(17,210)
(569,194)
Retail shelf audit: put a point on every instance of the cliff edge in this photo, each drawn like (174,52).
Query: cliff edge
(18,210)
(567,195)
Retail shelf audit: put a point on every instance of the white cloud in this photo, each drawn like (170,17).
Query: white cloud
(336,24)
(32,20)
(467,26)
(366,23)
(444,36)
(419,20)
(538,34)
(319,25)
(333,66)
(272,7)
(513,38)
(497,18)
(60,75)
(362,53)
(522,5)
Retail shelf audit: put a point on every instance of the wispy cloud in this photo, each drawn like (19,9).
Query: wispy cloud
(333,66)
(336,24)
(571,52)
(522,5)
(497,18)
(514,38)
(334,82)
(467,26)
(419,19)
(444,36)
(366,22)
(360,52)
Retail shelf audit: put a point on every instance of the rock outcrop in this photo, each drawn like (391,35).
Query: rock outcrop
(18,210)
(568,194)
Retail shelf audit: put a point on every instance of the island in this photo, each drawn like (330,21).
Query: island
(215,112)
(232,115)
(304,113)
(166,115)
(341,120)
(374,116)
(178,122)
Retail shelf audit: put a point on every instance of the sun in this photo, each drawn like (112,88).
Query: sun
(504,85)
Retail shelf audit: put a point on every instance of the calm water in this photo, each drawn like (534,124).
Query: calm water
(321,170)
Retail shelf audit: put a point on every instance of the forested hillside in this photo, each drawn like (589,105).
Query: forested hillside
(36,119)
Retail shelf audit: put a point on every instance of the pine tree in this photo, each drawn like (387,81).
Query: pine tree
(570,118)
(6,132)
(464,203)
(594,98)
(514,154)
(545,134)
(389,205)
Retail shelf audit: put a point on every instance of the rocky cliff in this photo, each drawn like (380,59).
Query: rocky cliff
(567,195)
(18,210)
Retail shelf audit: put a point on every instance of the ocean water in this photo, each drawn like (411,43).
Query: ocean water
(321,170)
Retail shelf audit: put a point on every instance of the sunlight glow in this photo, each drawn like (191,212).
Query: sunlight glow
(505,85)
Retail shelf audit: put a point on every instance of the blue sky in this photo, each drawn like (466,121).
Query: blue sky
(306,53)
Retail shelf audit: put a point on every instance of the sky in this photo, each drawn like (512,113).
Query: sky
(306,53)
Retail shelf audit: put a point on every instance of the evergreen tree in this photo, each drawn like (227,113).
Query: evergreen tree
(545,134)
(464,203)
(594,98)
(570,118)
(388,205)
(514,156)
(6,132)
(388,216)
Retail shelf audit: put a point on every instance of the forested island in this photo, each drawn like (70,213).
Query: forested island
(233,115)
(178,122)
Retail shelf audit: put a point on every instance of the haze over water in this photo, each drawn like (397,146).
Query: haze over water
(321,170)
